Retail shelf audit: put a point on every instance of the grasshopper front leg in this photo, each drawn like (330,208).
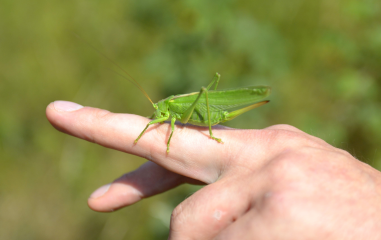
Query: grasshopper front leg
(158,120)
(173,120)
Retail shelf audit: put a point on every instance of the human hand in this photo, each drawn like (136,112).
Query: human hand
(275,183)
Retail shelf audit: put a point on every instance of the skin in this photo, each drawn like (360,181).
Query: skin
(275,183)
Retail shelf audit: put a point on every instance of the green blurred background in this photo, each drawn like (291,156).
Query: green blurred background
(322,58)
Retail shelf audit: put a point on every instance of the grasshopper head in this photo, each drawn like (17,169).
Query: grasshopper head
(161,109)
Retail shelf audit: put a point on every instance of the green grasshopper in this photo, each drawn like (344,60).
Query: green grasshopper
(206,108)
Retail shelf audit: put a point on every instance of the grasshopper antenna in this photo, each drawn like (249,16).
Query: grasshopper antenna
(132,80)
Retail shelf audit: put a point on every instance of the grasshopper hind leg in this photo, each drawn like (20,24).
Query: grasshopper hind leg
(209,120)
(187,114)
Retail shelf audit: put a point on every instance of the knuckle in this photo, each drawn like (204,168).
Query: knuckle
(285,139)
(101,115)
(287,166)
(284,127)
(344,153)
(178,217)
(93,121)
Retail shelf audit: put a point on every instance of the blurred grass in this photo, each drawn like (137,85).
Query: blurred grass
(322,59)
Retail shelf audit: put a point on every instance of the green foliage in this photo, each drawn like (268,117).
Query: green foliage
(322,58)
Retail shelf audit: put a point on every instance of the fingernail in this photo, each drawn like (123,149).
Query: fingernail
(100,191)
(66,106)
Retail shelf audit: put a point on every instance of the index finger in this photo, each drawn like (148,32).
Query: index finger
(193,153)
